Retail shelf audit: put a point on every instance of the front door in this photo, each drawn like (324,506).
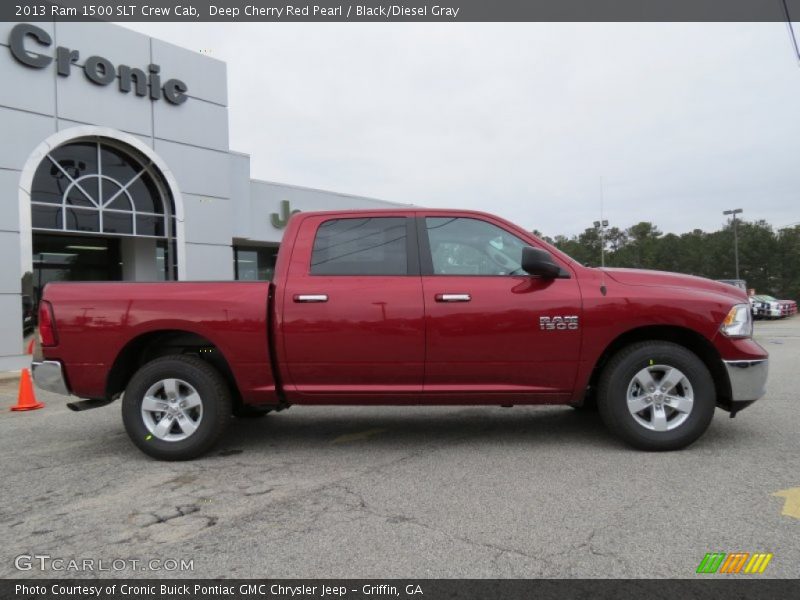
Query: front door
(353,316)
(485,334)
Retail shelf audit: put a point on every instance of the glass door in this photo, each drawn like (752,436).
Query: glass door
(73,258)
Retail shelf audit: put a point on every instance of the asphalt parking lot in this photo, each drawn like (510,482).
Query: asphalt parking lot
(408,492)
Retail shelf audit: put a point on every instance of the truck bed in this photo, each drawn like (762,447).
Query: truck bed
(102,326)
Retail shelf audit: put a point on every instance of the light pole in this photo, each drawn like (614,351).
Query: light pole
(601,227)
(735,212)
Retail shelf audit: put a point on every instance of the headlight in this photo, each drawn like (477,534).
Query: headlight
(738,322)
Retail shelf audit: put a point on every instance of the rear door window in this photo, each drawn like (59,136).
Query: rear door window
(361,246)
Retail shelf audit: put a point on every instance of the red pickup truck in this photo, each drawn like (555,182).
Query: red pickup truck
(404,307)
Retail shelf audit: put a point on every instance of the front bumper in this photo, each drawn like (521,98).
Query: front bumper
(748,379)
(49,375)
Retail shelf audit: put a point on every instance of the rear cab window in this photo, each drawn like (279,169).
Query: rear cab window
(362,246)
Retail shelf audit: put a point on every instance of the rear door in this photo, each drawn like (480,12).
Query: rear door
(488,322)
(353,316)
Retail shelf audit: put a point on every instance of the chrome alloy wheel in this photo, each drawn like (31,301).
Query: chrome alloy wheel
(172,410)
(660,398)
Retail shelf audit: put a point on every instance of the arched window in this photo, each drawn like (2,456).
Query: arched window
(98,187)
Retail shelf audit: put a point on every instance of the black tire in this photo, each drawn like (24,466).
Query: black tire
(619,375)
(215,402)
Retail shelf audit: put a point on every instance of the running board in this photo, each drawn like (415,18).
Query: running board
(87,404)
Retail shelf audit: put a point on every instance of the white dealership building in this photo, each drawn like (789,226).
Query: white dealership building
(115,165)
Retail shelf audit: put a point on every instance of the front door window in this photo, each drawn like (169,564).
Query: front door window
(464,246)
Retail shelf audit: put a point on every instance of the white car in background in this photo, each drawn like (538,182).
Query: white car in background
(759,308)
(772,308)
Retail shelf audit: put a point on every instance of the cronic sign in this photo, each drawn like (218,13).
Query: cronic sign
(97,69)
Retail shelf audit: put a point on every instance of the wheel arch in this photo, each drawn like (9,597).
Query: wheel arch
(688,338)
(165,342)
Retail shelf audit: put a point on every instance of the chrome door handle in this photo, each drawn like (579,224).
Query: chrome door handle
(309,298)
(453,297)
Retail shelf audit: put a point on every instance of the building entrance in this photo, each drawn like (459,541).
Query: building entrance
(74,258)
(100,211)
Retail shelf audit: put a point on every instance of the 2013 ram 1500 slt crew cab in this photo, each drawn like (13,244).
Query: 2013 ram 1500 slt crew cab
(433,307)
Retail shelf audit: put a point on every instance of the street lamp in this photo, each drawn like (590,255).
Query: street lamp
(601,227)
(735,212)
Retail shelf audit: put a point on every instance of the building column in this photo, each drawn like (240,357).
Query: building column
(139,259)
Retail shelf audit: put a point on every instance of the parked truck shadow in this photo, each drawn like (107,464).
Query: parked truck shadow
(376,429)
(338,428)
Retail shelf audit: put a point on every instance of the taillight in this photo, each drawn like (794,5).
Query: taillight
(47,326)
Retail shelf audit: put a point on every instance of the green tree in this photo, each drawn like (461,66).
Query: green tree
(787,262)
(639,251)
(769,261)
(574,248)
(589,240)
(616,239)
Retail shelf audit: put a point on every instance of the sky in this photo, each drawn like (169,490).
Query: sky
(666,122)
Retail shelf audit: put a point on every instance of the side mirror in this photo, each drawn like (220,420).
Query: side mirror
(536,261)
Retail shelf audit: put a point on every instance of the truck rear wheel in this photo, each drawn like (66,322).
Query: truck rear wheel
(176,407)
(657,396)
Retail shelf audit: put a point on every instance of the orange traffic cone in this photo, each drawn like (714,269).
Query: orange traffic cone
(26,400)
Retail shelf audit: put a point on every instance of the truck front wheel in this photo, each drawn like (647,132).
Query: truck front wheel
(176,407)
(656,396)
